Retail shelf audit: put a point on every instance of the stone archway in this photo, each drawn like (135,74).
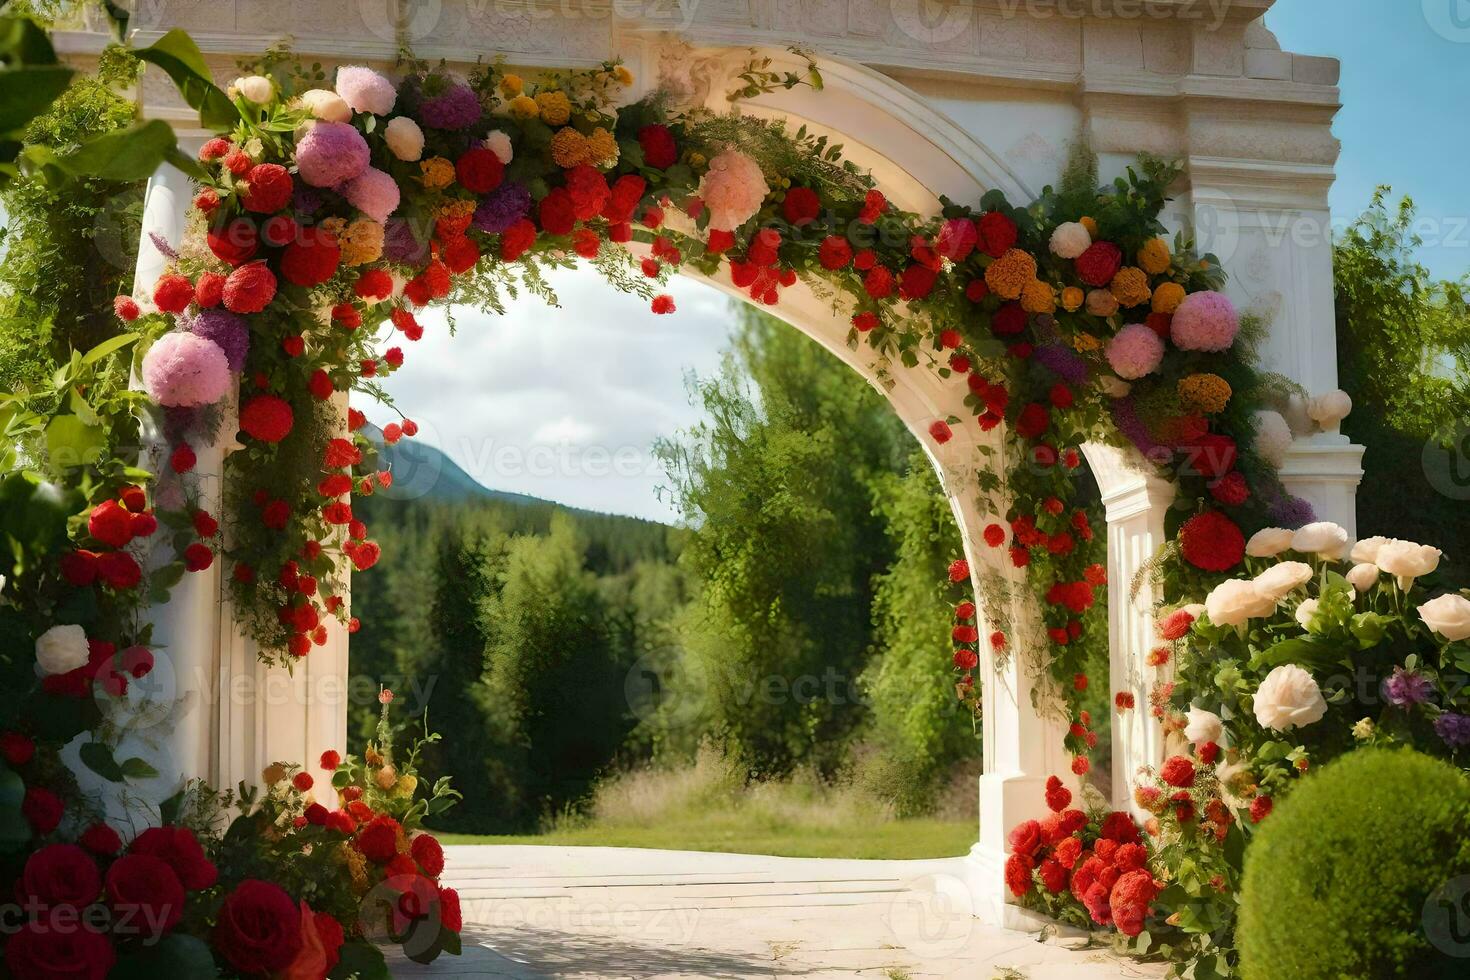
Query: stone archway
(920,138)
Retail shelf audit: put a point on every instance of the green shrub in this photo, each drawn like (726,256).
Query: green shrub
(1337,881)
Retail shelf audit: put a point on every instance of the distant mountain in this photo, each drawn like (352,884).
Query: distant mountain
(422,472)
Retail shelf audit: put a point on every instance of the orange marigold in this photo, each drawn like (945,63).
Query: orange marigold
(1072,299)
(569,148)
(1090,225)
(1130,286)
(511,85)
(1154,257)
(438,173)
(1085,342)
(524,107)
(603,147)
(1039,297)
(1207,393)
(1008,275)
(555,108)
(1168,297)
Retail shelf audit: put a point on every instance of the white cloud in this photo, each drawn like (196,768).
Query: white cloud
(563,403)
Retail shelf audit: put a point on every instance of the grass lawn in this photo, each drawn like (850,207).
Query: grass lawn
(738,834)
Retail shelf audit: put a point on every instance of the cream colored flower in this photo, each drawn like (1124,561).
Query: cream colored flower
(255,88)
(1407,560)
(498,143)
(1306,611)
(1449,616)
(61,649)
(1366,550)
(326,105)
(1363,575)
(1234,602)
(1203,726)
(1069,240)
(1273,437)
(404,138)
(1364,729)
(1269,542)
(1321,538)
(1281,580)
(1289,698)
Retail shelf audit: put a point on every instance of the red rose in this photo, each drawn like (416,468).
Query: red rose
(183,459)
(1099,264)
(801,206)
(479,170)
(589,191)
(1053,876)
(179,849)
(1231,489)
(147,890)
(61,950)
(1018,874)
(997,234)
(329,931)
(250,288)
(79,567)
(1210,455)
(916,282)
(365,555)
(1211,541)
(1033,421)
(17,749)
(259,928)
(61,874)
(940,431)
(110,524)
(957,239)
(101,839)
(959,570)
(1120,828)
(172,293)
(1025,838)
(995,535)
(42,809)
(623,198)
(267,418)
(267,188)
(119,570)
(275,515)
(198,557)
(311,259)
(865,321)
(234,242)
(330,760)
(378,840)
(1260,808)
(1058,797)
(558,212)
(659,150)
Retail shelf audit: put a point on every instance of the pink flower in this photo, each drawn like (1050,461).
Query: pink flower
(1135,351)
(1205,321)
(374,193)
(733,189)
(365,90)
(331,154)
(385,696)
(183,370)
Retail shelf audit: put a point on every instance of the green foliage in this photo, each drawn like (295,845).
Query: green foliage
(1342,877)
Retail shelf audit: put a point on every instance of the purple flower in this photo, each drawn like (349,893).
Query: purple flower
(1128,422)
(1454,729)
(228,330)
(1406,688)
(1291,512)
(401,245)
(1062,362)
(305,199)
(161,243)
(502,207)
(456,107)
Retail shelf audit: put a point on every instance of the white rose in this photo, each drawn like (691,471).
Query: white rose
(1204,726)
(404,138)
(499,144)
(1306,611)
(1363,575)
(1408,560)
(326,105)
(1281,580)
(1195,610)
(1449,616)
(1269,542)
(1366,550)
(1070,240)
(1289,698)
(255,88)
(1321,538)
(61,649)
(1233,602)
(1273,437)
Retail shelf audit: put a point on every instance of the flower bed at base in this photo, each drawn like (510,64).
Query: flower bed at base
(330,213)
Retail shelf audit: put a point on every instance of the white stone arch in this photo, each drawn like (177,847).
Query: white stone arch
(988,105)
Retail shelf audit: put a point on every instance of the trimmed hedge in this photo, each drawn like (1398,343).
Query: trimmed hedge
(1337,880)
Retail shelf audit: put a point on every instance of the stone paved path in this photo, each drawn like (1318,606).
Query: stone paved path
(596,913)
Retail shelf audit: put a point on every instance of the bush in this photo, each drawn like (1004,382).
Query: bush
(1337,881)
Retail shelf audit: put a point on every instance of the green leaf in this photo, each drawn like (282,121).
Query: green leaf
(128,154)
(71,442)
(362,960)
(25,93)
(1301,650)
(138,769)
(98,758)
(178,55)
(176,955)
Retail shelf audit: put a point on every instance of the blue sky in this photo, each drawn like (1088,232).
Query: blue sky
(1404,120)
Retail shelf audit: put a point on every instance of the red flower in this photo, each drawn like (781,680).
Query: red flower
(916,282)
(79,567)
(1231,489)
(374,284)
(865,321)
(965,634)
(1025,838)
(250,288)
(303,781)
(429,855)
(179,849)
(663,303)
(479,170)
(516,240)
(873,205)
(365,555)
(1053,876)
(1033,421)
(998,640)
(557,212)
(1175,626)
(995,535)
(61,874)
(267,188)
(198,557)
(1079,682)
(1008,321)
(1124,701)
(959,570)
(659,150)
(801,206)
(378,840)
(997,234)
(1261,808)
(1177,771)
(234,242)
(1208,753)
(311,259)
(126,308)
(1020,557)
(267,418)
(172,293)
(146,886)
(66,949)
(940,431)
(42,809)
(957,239)
(110,524)
(834,252)
(1211,541)
(623,198)
(965,610)
(119,570)
(976,290)
(1099,264)
(461,254)
(1210,455)
(1130,899)
(1060,396)
(259,928)
(17,749)
(330,760)
(1058,797)
(340,454)
(589,191)
(101,839)
(878,283)
(1018,874)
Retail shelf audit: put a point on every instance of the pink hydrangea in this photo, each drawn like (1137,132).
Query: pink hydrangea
(365,90)
(183,370)
(733,189)
(1135,351)
(372,192)
(1205,321)
(331,154)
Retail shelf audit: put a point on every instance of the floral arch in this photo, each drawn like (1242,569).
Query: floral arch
(1012,328)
